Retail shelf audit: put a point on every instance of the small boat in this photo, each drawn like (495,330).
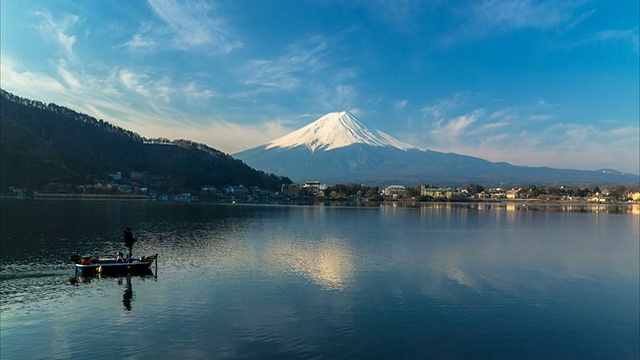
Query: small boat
(112,265)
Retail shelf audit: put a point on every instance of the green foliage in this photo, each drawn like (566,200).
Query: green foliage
(474,189)
(341,191)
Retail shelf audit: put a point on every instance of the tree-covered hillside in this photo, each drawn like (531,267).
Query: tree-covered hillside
(43,143)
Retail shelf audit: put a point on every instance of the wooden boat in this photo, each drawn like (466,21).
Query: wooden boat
(112,265)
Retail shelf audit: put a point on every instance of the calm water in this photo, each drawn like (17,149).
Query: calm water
(437,281)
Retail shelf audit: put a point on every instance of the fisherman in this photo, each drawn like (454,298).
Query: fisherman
(128,242)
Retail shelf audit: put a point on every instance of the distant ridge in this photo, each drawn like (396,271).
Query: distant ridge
(339,148)
(49,145)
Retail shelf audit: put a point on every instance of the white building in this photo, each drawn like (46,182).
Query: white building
(395,191)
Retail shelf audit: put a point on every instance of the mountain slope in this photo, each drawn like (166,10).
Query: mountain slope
(337,148)
(45,143)
(336,130)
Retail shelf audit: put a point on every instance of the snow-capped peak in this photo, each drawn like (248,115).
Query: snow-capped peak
(336,130)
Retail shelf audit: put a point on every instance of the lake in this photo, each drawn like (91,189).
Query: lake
(450,281)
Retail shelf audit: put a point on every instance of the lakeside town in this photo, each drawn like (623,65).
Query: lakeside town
(143,186)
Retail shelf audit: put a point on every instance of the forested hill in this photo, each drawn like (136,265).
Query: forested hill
(43,144)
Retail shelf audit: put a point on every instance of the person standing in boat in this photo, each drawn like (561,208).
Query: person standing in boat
(128,242)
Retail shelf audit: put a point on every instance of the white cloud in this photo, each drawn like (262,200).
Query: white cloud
(572,146)
(507,14)
(285,71)
(141,41)
(628,37)
(57,31)
(443,106)
(541,117)
(522,135)
(26,83)
(113,97)
(132,80)
(228,136)
(345,96)
(489,18)
(338,97)
(138,42)
(494,125)
(452,131)
(400,104)
(68,77)
(191,91)
(193,26)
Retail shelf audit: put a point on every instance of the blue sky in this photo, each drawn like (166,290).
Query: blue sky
(530,82)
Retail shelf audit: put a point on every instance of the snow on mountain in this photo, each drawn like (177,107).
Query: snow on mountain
(336,130)
(359,155)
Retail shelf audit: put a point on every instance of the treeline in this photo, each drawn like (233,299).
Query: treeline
(342,191)
(43,144)
(613,191)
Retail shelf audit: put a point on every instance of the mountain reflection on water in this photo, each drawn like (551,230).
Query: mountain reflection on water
(233,281)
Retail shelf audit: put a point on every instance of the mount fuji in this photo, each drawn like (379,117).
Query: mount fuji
(336,130)
(338,148)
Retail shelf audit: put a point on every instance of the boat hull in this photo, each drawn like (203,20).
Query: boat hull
(127,268)
(114,267)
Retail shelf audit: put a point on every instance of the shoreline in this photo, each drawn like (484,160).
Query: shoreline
(50,196)
(316,202)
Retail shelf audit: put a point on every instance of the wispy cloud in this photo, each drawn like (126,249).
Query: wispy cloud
(161,88)
(345,96)
(508,14)
(233,137)
(539,117)
(514,135)
(141,40)
(489,18)
(124,97)
(284,72)
(192,91)
(26,83)
(193,25)
(402,14)
(628,37)
(57,31)
(132,81)
(335,97)
(129,98)
(494,125)
(68,77)
(443,106)
(454,130)
(400,104)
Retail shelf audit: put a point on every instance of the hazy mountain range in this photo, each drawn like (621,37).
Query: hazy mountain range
(339,148)
(43,144)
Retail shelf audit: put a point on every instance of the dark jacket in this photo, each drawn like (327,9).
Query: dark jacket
(128,238)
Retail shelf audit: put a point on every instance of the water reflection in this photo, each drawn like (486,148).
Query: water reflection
(328,263)
(127,297)
(442,280)
(523,206)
